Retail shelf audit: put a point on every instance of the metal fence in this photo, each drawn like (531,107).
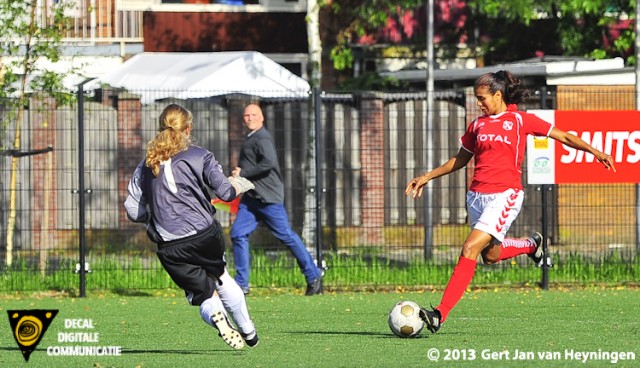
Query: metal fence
(348,200)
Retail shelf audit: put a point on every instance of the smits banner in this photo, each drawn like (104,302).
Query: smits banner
(614,132)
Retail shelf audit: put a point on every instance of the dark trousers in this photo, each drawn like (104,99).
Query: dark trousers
(196,262)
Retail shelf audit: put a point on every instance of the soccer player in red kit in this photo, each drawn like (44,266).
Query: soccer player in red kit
(497,140)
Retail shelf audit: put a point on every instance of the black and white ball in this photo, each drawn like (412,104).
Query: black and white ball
(404,319)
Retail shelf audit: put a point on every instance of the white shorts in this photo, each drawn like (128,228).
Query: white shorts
(494,213)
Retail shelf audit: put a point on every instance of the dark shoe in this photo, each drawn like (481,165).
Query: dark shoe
(252,342)
(229,334)
(539,255)
(245,290)
(431,318)
(314,287)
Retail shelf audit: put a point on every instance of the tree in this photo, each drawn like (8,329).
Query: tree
(366,22)
(355,30)
(31,33)
(595,28)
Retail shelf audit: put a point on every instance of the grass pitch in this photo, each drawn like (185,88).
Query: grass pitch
(501,327)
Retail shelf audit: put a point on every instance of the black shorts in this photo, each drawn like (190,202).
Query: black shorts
(196,262)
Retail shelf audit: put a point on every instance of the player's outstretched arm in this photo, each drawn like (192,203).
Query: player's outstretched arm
(576,142)
(455,163)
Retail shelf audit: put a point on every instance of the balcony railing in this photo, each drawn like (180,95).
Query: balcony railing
(96,21)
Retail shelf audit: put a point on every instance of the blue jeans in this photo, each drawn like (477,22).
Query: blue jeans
(274,215)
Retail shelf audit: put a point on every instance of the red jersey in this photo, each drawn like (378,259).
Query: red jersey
(498,143)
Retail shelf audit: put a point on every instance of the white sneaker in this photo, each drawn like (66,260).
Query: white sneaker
(229,334)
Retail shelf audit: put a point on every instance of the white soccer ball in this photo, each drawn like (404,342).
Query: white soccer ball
(404,319)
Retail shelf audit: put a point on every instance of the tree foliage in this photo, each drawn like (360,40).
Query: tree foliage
(595,28)
(30,36)
(368,22)
(496,28)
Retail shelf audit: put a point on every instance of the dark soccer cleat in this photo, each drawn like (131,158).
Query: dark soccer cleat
(314,287)
(538,256)
(431,318)
(539,252)
(229,334)
(252,342)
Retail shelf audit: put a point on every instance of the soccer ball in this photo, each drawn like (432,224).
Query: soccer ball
(404,319)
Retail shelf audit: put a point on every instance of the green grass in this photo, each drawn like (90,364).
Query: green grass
(358,271)
(348,329)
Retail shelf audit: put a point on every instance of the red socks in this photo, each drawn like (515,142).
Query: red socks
(514,247)
(461,278)
(465,269)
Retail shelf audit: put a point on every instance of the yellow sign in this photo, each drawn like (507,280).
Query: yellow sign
(541,143)
(28,327)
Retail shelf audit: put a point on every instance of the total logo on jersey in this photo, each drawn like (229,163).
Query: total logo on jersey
(507,125)
(493,138)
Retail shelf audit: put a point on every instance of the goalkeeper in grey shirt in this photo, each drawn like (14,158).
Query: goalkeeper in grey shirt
(168,192)
(258,162)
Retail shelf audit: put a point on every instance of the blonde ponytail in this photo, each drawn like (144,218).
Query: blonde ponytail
(173,136)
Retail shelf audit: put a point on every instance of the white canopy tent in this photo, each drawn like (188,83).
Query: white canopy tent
(159,75)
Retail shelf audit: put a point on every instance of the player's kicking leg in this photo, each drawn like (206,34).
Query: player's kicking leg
(235,303)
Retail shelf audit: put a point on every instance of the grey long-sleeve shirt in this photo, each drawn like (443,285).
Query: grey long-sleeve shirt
(259,163)
(177,202)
